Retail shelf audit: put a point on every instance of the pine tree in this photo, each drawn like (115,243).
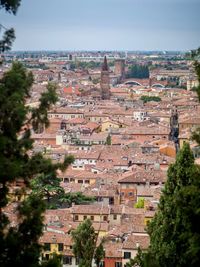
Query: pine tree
(9,34)
(19,244)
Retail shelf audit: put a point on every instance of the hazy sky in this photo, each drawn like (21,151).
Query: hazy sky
(105,24)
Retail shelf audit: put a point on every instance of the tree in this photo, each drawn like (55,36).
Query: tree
(195,56)
(142,259)
(19,244)
(174,231)
(77,198)
(10,6)
(84,248)
(140,203)
(47,184)
(138,71)
(99,254)
(146,98)
(108,140)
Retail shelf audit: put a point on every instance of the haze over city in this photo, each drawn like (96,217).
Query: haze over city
(106,25)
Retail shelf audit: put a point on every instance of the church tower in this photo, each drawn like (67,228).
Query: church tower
(105,80)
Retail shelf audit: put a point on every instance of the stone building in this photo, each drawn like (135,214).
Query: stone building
(120,68)
(105,80)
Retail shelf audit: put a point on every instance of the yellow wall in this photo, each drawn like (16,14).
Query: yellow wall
(168,151)
(91,181)
(108,124)
(182,141)
(54,249)
(97,218)
(101,233)
(146,220)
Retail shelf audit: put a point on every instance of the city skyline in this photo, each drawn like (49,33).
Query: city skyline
(106,25)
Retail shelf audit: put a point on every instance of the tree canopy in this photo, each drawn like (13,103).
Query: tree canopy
(10,5)
(146,98)
(19,244)
(138,71)
(174,231)
(85,244)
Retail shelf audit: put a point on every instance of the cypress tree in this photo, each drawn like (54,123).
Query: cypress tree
(174,231)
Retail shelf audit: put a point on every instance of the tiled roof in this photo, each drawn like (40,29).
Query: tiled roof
(90,209)
(135,241)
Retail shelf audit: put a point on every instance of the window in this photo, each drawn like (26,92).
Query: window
(60,246)
(127,255)
(105,218)
(92,218)
(76,217)
(130,193)
(118,264)
(47,246)
(84,217)
(67,260)
(115,216)
(111,200)
(66,180)
(80,181)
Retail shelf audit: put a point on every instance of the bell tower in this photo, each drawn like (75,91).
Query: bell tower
(105,80)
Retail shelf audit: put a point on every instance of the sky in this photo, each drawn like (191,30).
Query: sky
(105,25)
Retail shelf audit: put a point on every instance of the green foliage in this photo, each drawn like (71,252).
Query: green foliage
(146,99)
(19,244)
(47,184)
(142,259)
(108,140)
(40,115)
(138,71)
(140,203)
(174,231)
(196,136)
(63,200)
(195,54)
(99,254)
(84,239)
(7,40)
(84,65)
(10,5)
(84,248)
(55,260)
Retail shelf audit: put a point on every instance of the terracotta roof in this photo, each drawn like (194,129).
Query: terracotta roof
(90,209)
(55,238)
(144,176)
(135,241)
(113,250)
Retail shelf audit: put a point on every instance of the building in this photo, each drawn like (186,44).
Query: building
(105,80)
(120,68)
